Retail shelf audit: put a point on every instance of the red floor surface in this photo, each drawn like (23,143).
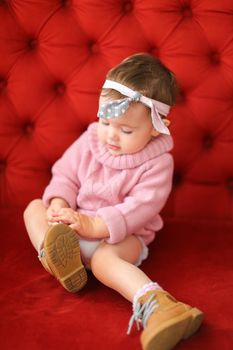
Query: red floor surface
(193,261)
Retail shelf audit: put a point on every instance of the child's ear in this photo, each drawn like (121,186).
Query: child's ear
(167,122)
(155,132)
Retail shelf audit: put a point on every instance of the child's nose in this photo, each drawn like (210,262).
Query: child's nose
(112,134)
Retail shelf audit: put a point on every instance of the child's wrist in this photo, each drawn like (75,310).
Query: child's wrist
(100,228)
(59,201)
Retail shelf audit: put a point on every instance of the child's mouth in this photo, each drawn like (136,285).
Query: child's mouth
(113,147)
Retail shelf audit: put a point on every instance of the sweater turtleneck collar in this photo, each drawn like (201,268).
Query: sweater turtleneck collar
(157,146)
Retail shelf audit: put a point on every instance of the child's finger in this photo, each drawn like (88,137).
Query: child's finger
(63,218)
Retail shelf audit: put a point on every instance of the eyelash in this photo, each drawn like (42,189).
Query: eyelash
(126,132)
(122,130)
(104,123)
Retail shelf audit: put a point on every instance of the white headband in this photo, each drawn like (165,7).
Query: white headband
(120,106)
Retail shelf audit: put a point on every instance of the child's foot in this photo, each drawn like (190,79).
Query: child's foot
(60,255)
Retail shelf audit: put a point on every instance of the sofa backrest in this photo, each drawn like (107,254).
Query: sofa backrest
(53,59)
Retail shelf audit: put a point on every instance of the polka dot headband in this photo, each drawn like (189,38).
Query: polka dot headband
(115,108)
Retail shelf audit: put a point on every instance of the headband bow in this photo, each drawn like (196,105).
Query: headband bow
(116,108)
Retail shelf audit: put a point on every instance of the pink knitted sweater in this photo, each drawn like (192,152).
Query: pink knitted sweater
(126,191)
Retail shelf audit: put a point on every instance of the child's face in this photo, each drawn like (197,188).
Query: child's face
(129,133)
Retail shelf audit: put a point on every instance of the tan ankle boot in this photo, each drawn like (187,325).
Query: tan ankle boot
(166,321)
(43,261)
(60,256)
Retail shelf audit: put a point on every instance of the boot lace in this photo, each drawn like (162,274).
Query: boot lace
(141,313)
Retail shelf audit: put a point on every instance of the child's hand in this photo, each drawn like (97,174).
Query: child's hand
(56,204)
(85,226)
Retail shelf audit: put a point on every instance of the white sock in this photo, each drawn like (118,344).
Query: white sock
(137,310)
(143,290)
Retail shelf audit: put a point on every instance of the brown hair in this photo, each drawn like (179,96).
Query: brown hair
(148,75)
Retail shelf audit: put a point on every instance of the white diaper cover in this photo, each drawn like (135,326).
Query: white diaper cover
(88,248)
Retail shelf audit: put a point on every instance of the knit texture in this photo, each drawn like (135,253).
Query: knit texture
(126,191)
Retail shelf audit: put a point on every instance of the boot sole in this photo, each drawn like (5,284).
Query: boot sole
(62,254)
(171,332)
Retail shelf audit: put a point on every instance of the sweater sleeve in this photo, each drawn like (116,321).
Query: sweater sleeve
(142,204)
(64,182)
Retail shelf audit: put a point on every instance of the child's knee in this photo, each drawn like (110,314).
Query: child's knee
(99,258)
(31,207)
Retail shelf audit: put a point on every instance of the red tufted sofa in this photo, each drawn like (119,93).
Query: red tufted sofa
(54,55)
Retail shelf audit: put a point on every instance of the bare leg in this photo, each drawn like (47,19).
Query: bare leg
(36,222)
(113,265)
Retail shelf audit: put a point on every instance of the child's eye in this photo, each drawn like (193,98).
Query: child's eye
(126,131)
(104,122)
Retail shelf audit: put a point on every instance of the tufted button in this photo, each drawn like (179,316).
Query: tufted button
(154,51)
(64,3)
(186,11)
(59,88)
(230,184)
(93,47)
(208,142)
(2,165)
(214,57)
(28,128)
(32,43)
(3,2)
(177,179)
(3,84)
(127,6)
(181,96)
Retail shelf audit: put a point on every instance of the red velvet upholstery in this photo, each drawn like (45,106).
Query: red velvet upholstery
(54,55)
